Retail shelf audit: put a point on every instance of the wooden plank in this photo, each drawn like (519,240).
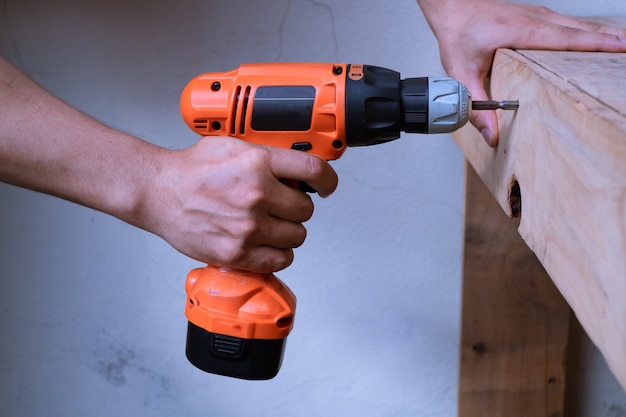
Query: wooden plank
(566,150)
(514,321)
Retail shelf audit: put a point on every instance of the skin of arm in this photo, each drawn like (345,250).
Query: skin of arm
(470,31)
(219,201)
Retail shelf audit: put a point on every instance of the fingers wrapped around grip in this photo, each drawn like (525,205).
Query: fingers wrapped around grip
(223,201)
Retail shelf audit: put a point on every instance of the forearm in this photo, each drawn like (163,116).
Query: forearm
(219,201)
(48,146)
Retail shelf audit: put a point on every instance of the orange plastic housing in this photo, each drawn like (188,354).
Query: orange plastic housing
(222,103)
(239,304)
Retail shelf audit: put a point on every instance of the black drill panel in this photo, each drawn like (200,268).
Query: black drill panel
(373,107)
(283,108)
(232,356)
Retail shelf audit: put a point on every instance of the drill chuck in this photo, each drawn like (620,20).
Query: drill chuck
(448,106)
(379,105)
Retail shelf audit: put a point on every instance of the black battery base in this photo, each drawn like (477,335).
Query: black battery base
(255,359)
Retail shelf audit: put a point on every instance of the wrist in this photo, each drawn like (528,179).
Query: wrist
(137,195)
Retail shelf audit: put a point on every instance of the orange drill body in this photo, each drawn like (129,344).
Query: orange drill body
(239,320)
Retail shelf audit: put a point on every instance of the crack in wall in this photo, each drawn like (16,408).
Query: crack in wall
(281,29)
(333,30)
(316,3)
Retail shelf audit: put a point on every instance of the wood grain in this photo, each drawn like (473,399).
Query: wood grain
(566,148)
(514,321)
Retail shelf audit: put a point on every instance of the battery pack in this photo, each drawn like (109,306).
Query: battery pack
(238,322)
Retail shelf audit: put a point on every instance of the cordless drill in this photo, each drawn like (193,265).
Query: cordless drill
(239,321)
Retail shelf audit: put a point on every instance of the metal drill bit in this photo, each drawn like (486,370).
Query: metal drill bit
(493,105)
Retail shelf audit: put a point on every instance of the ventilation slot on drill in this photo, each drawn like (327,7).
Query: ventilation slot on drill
(234,110)
(200,124)
(244,111)
(226,345)
(240,105)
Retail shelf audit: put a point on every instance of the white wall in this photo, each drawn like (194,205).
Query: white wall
(91,309)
